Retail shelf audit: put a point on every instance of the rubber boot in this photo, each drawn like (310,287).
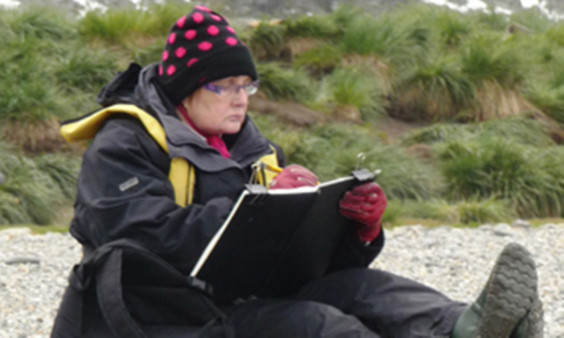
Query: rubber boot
(532,325)
(504,307)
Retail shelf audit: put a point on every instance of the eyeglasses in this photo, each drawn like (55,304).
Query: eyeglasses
(231,90)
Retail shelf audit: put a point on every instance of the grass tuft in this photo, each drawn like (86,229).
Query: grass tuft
(501,169)
(432,91)
(286,84)
(321,60)
(311,26)
(266,41)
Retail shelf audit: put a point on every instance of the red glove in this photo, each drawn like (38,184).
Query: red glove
(365,205)
(294,176)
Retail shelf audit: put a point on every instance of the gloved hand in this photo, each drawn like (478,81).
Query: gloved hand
(365,205)
(294,176)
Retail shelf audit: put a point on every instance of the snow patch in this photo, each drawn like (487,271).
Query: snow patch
(471,5)
(9,3)
(89,5)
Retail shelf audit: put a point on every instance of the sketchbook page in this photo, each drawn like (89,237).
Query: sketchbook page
(253,241)
(262,238)
(212,243)
(315,241)
(246,197)
(244,194)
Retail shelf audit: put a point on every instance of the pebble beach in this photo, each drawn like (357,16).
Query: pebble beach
(456,261)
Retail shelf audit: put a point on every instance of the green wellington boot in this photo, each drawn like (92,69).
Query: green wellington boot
(508,306)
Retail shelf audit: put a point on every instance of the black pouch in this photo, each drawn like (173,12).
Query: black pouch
(123,290)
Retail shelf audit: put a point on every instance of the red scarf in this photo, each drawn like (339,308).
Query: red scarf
(214,141)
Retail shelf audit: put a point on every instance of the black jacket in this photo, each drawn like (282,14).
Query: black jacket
(124,191)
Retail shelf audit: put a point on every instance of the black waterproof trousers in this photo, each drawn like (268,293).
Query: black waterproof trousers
(350,303)
(127,292)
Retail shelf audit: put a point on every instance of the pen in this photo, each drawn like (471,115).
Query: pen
(273,168)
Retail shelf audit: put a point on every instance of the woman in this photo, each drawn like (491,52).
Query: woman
(197,95)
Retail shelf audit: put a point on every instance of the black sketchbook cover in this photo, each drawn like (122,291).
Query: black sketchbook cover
(275,241)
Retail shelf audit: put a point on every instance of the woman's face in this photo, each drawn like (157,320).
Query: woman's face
(220,110)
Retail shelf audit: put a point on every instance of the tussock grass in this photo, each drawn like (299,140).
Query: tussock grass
(384,38)
(62,170)
(556,34)
(127,26)
(496,101)
(331,151)
(30,190)
(485,57)
(87,70)
(433,91)
(320,61)
(549,100)
(352,91)
(452,27)
(311,26)
(517,130)
(416,62)
(483,211)
(32,42)
(34,136)
(501,169)
(437,133)
(463,212)
(286,84)
(33,191)
(28,94)
(266,41)
(148,54)
(345,14)
(530,21)
(42,23)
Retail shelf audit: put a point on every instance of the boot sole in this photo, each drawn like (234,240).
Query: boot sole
(535,321)
(511,290)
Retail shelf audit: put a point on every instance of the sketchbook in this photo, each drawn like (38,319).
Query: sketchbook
(275,241)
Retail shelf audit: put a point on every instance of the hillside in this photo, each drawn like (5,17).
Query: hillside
(463,113)
(288,8)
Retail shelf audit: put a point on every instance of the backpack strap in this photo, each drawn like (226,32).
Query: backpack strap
(181,174)
(111,301)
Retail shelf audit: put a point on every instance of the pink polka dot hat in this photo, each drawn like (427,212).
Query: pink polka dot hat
(201,48)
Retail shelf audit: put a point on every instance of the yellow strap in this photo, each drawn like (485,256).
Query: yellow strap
(86,128)
(266,168)
(183,178)
(181,175)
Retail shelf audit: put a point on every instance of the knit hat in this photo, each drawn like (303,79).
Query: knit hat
(201,48)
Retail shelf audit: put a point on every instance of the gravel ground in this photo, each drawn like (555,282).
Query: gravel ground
(34,268)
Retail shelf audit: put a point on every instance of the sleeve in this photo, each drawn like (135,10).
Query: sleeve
(124,192)
(353,253)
